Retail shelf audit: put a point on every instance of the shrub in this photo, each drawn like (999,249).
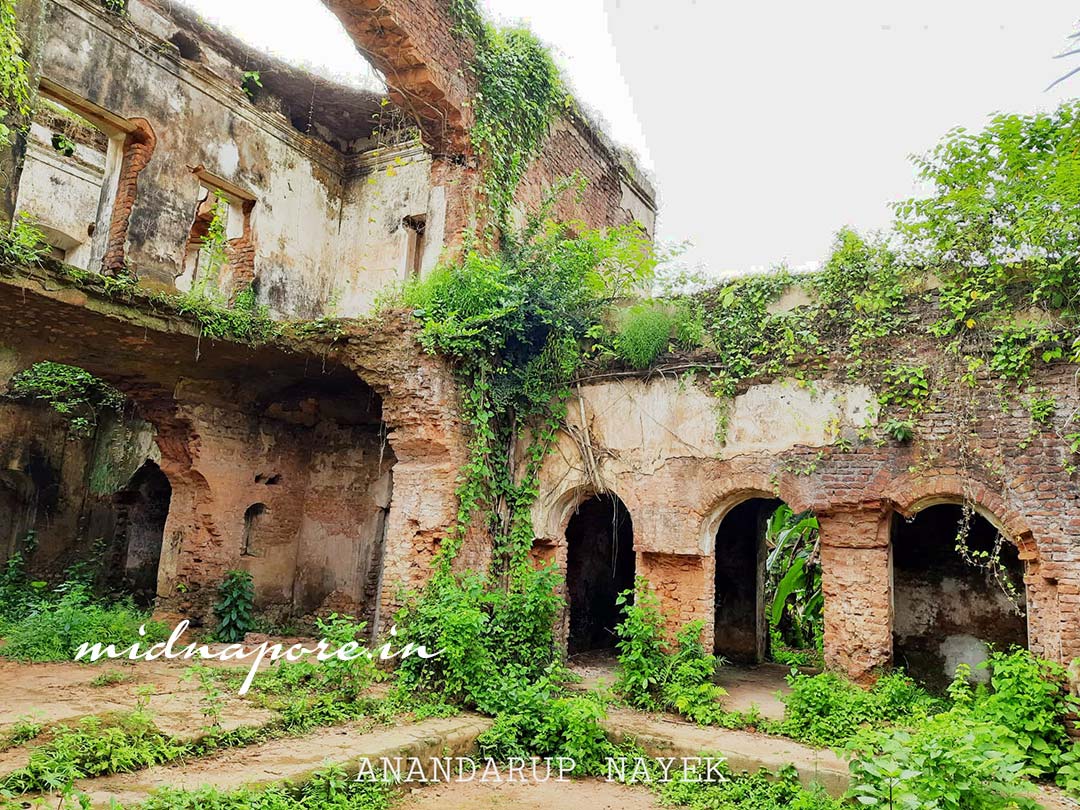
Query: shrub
(760,791)
(494,640)
(235,608)
(54,630)
(825,709)
(330,789)
(94,747)
(652,679)
(1027,700)
(644,333)
(942,764)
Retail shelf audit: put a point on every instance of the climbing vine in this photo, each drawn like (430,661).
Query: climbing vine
(14,81)
(519,91)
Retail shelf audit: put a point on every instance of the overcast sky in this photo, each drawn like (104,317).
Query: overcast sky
(767,125)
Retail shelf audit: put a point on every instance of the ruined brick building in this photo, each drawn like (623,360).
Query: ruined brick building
(325,461)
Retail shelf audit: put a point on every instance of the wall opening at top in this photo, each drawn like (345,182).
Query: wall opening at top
(948,608)
(599,566)
(64,189)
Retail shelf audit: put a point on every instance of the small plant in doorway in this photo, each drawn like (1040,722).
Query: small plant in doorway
(235,608)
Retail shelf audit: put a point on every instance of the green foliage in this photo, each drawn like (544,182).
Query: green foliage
(21,732)
(861,292)
(1003,217)
(825,709)
(900,430)
(644,333)
(749,340)
(70,391)
(1027,701)
(55,624)
(942,764)
(235,608)
(14,80)
(759,791)
(1042,410)
(24,242)
(497,641)
(329,789)
(976,753)
(63,144)
(647,330)
(544,724)
(519,92)
(906,387)
(93,747)
(251,81)
(651,678)
(793,581)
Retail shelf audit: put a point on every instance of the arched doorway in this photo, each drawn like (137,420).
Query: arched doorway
(958,589)
(599,566)
(740,631)
(141,510)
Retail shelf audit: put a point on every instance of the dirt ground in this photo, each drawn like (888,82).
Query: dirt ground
(594,794)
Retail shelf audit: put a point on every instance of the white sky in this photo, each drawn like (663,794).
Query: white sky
(767,125)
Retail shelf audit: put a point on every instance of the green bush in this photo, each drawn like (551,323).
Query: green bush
(235,609)
(54,630)
(495,641)
(330,789)
(644,333)
(1027,700)
(543,724)
(94,747)
(825,709)
(652,679)
(760,791)
(941,764)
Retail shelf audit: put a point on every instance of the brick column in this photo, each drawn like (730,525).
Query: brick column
(684,583)
(1068,597)
(856,578)
(138,148)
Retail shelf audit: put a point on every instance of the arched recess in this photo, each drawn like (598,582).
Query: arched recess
(734,532)
(142,507)
(950,604)
(599,566)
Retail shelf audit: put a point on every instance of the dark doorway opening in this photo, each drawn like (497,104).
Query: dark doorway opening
(599,566)
(948,610)
(740,630)
(141,509)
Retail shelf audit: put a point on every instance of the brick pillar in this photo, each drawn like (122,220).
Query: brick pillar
(1068,597)
(684,583)
(138,147)
(857,581)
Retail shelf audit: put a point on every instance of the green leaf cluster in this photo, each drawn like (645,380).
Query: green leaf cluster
(235,608)
(74,393)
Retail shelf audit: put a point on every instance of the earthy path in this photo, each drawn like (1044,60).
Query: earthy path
(294,759)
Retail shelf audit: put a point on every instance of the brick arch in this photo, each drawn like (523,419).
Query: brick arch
(557,518)
(138,148)
(910,494)
(726,493)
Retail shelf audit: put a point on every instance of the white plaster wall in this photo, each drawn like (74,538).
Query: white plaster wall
(636,427)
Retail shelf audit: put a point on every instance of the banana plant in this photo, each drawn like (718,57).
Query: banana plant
(793,573)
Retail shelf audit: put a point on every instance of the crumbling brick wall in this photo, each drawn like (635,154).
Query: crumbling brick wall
(657,449)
